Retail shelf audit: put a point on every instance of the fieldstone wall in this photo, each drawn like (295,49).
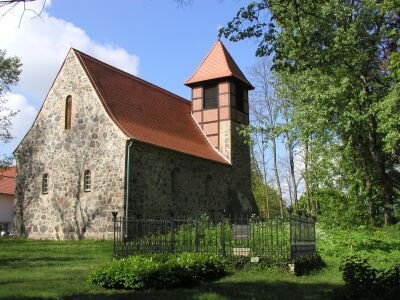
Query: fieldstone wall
(241,170)
(93,143)
(163,181)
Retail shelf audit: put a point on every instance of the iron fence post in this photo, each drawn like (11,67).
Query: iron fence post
(114,218)
(172,230)
(196,235)
(223,250)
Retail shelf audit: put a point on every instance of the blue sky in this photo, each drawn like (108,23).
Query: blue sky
(158,41)
(170,41)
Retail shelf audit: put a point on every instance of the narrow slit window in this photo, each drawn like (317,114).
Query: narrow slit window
(210,96)
(87,181)
(68,112)
(45,184)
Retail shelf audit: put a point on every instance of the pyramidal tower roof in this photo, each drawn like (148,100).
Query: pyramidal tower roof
(217,64)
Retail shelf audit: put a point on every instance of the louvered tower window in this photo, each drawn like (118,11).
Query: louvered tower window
(210,96)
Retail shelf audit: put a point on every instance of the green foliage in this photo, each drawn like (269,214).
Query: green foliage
(302,265)
(244,263)
(365,282)
(305,264)
(382,247)
(259,191)
(338,209)
(158,271)
(10,69)
(337,66)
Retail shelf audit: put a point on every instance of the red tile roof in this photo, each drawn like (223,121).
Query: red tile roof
(147,112)
(218,64)
(7,181)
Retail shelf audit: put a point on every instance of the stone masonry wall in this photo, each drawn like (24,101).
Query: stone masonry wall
(93,143)
(161,180)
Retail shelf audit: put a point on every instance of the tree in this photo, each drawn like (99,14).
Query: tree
(265,108)
(10,69)
(339,61)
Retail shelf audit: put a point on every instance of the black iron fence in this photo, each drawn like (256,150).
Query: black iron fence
(275,239)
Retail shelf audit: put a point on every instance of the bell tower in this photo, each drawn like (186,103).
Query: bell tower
(220,98)
(220,105)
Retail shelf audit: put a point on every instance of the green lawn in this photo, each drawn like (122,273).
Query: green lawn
(58,269)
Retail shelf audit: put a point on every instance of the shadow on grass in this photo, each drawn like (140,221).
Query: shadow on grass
(232,290)
(21,262)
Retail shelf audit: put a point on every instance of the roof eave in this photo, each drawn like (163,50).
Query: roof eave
(196,82)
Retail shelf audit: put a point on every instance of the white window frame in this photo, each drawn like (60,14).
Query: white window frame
(87,180)
(45,183)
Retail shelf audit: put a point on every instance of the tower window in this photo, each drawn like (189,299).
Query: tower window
(210,98)
(68,112)
(239,97)
(45,184)
(87,181)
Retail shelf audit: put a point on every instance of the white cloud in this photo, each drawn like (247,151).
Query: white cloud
(25,116)
(22,121)
(42,44)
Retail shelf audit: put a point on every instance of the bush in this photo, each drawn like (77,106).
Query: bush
(305,264)
(244,263)
(365,282)
(158,271)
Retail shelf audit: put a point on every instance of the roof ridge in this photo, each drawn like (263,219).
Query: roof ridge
(165,91)
(225,53)
(202,62)
(6,176)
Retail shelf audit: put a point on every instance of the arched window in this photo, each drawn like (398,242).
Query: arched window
(208,187)
(87,181)
(45,184)
(68,112)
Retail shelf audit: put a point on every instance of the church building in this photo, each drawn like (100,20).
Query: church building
(105,140)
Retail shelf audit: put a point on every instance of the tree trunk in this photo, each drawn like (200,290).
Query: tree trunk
(278,181)
(265,185)
(291,165)
(306,175)
(383,180)
(290,190)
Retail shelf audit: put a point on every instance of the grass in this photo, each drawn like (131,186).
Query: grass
(59,269)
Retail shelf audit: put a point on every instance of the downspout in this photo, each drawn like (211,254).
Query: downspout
(127,188)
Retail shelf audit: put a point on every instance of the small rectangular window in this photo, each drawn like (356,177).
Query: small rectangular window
(87,181)
(210,98)
(45,184)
